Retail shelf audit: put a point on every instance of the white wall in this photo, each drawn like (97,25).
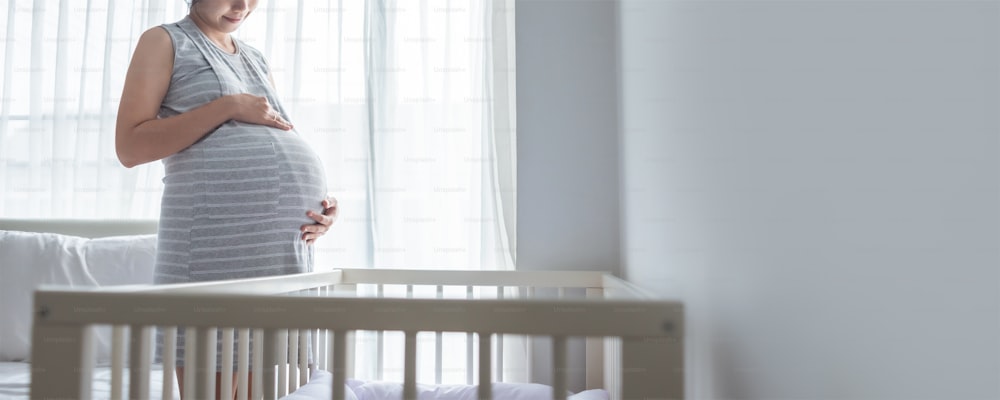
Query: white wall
(567,149)
(818,180)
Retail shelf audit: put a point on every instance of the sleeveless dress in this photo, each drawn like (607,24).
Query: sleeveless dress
(233,202)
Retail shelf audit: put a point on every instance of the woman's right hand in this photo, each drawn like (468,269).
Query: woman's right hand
(257,110)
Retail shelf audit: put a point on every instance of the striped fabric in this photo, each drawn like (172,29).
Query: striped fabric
(234,201)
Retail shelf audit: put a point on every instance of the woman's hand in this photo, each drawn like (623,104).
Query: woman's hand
(257,110)
(312,232)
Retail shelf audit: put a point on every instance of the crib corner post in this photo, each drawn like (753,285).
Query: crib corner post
(594,356)
(62,360)
(653,366)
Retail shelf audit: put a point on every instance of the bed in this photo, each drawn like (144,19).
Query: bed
(95,341)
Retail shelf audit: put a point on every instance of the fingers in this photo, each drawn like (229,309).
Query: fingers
(331,212)
(311,237)
(322,219)
(330,202)
(258,110)
(273,118)
(311,232)
(280,123)
(330,207)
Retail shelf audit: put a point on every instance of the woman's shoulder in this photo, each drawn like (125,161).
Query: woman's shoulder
(157,40)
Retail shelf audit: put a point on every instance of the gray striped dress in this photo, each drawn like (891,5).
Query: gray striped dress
(233,202)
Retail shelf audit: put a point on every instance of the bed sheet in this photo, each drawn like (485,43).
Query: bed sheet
(15,382)
(321,382)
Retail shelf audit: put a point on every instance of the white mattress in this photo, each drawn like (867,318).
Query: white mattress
(321,383)
(15,378)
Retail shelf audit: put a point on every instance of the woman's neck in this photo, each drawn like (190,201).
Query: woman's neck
(222,39)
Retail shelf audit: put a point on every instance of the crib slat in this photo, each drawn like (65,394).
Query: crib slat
(242,363)
(349,367)
(613,367)
(205,365)
(304,338)
(321,349)
(349,355)
(140,346)
(293,360)
(169,361)
(499,361)
(117,360)
(257,383)
(438,357)
(469,363)
(379,342)
(328,353)
(226,379)
(339,364)
(281,347)
(190,340)
(319,337)
(529,352)
(410,366)
(468,345)
(485,348)
(559,368)
(268,372)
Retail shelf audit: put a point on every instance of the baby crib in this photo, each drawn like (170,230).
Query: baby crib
(634,343)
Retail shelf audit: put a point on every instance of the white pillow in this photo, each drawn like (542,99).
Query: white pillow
(29,260)
(121,260)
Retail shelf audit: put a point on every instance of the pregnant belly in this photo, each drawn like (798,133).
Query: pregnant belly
(248,173)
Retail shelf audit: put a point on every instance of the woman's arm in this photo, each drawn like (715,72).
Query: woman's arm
(141,137)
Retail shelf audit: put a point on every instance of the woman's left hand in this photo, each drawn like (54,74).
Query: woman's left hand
(312,232)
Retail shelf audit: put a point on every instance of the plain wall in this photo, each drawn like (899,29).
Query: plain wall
(818,181)
(567,147)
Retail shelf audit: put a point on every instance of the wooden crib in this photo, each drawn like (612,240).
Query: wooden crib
(634,345)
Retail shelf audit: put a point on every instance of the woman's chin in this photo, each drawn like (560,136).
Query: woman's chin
(232,22)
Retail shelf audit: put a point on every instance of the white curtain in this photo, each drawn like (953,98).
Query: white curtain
(63,67)
(410,104)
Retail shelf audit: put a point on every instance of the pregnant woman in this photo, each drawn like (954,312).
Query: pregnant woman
(244,196)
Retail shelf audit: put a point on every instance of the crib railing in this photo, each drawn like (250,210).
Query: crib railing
(634,346)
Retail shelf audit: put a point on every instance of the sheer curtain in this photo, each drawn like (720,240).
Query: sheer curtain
(410,104)
(63,67)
